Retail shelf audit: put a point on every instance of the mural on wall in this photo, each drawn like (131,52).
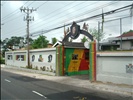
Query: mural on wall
(33,57)
(50,58)
(45,65)
(74,56)
(129,68)
(47,68)
(20,57)
(76,61)
(9,57)
(40,59)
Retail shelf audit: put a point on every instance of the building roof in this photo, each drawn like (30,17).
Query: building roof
(108,44)
(129,34)
(57,43)
(73,45)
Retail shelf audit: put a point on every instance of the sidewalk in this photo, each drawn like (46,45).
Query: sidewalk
(82,80)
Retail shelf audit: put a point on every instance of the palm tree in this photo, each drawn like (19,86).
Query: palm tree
(84,39)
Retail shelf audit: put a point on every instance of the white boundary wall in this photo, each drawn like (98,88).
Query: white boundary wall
(114,67)
(10,58)
(19,58)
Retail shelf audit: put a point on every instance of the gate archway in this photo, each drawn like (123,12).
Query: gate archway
(75,32)
(74,58)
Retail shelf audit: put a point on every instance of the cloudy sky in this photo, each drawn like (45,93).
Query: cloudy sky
(51,14)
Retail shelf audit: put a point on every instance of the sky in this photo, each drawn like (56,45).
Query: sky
(51,14)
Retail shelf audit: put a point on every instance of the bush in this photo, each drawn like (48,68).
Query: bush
(29,67)
(43,68)
(35,68)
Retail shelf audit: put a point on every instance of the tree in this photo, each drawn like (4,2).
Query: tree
(128,31)
(84,39)
(0,41)
(30,41)
(40,42)
(14,41)
(4,46)
(54,40)
(94,33)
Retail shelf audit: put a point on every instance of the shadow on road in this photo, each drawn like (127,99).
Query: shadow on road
(73,95)
(82,77)
(25,78)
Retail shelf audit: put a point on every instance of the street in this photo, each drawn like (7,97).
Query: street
(18,87)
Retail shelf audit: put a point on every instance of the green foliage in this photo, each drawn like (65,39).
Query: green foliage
(14,41)
(128,31)
(2,60)
(35,68)
(30,41)
(29,67)
(40,42)
(9,43)
(54,40)
(94,32)
(43,68)
(84,39)
(5,46)
(0,41)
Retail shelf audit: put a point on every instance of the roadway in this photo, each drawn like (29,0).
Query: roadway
(19,87)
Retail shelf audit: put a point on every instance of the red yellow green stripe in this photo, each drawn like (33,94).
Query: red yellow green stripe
(92,70)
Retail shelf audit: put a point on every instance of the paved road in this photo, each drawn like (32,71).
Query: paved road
(18,87)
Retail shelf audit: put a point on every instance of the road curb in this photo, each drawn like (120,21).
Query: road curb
(32,71)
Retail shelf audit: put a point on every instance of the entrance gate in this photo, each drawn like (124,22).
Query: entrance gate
(74,58)
(76,61)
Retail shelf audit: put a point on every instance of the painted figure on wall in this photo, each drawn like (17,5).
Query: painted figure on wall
(20,57)
(49,58)
(33,57)
(9,57)
(129,68)
(40,59)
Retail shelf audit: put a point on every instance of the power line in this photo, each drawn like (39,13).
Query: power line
(107,5)
(20,15)
(5,17)
(88,18)
(41,4)
(78,10)
(60,12)
(116,19)
(107,13)
(100,7)
(54,10)
(14,13)
(67,9)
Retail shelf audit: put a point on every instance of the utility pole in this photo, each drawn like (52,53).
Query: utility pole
(121,33)
(1,26)
(42,38)
(28,19)
(98,34)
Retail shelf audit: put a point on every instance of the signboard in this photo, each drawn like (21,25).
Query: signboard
(75,30)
